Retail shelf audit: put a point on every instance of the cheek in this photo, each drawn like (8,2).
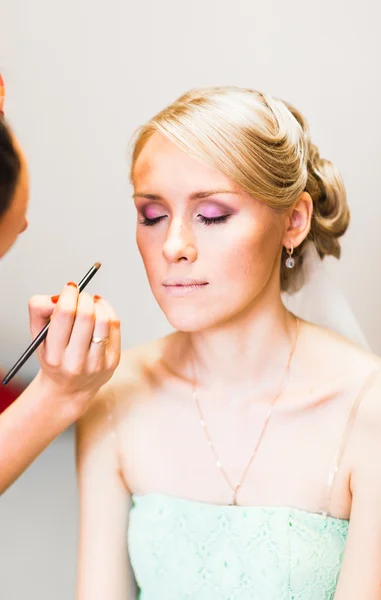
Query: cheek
(241,261)
(142,245)
(149,248)
(248,252)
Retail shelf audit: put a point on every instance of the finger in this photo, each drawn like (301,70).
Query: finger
(61,324)
(2,94)
(97,353)
(113,346)
(82,332)
(40,310)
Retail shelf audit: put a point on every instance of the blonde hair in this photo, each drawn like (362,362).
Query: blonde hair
(263,144)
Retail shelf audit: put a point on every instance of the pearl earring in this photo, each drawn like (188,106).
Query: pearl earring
(290,261)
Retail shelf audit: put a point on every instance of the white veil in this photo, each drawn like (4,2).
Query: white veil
(321,301)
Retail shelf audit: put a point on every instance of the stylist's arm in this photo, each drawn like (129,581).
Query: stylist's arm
(80,352)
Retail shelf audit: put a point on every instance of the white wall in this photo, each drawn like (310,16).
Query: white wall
(81,75)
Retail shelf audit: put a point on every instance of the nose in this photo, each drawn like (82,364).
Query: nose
(179,244)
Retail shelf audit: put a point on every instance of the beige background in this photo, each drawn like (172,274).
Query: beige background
(81,75)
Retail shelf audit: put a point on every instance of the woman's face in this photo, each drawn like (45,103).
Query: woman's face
(208,247)
(14,220)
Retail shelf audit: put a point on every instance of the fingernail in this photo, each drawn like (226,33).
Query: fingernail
(54,299)
(96,298)
(72,283)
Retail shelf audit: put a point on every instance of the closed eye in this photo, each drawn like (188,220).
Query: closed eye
(213,220)
(149,222)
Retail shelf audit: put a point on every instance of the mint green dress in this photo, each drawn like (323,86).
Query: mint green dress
(188,550)
(182,549)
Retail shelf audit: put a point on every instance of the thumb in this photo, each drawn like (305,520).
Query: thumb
(40,310)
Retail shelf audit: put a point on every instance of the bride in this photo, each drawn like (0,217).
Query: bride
(238,457)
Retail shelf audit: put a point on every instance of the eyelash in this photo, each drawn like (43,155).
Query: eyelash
(207,221)
(213,220)
(149,222)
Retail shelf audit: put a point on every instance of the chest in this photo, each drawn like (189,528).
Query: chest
(164,448)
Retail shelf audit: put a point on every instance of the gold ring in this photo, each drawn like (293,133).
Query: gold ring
(99,340)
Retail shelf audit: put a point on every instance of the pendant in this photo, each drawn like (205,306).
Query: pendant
(233,502)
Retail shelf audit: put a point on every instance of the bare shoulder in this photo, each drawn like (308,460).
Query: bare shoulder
(335,355)
(345,369)
(358,371)
(353,375)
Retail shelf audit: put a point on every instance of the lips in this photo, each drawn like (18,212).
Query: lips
(184,282)
(183,287)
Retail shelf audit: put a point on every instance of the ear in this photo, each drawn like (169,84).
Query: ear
(298,222)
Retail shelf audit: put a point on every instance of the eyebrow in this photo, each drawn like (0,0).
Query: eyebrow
(194,196)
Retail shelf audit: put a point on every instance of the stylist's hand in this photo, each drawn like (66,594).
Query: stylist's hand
(73,365)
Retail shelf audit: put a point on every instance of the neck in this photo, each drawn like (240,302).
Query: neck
(251,350)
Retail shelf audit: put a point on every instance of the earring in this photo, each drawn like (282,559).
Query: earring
(290,261)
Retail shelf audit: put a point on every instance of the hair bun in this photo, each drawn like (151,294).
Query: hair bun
(324,184)
(331,213)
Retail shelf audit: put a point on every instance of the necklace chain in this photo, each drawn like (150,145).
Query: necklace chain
(235,488)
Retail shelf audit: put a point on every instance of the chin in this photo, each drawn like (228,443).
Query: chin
(190,319)
(186,322)
(192,315)
(187,318)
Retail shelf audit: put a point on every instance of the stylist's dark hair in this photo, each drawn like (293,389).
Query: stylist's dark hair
(9,166)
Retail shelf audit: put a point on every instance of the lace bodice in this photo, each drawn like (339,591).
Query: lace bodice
(182,549)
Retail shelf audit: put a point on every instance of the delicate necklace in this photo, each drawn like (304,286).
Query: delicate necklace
(235,488)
